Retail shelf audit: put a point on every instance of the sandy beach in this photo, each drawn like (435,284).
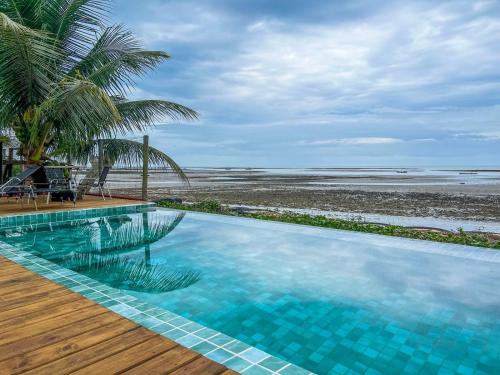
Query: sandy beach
(434,193)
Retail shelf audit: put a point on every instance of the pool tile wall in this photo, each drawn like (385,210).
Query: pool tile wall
(221,348)
(67,215)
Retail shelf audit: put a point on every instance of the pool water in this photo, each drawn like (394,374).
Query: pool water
(329,301)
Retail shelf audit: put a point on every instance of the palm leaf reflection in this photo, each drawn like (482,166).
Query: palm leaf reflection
(118,233)
(148,229)
(130,274)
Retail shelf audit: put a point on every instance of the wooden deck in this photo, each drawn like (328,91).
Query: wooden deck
(11,207)
(46,328)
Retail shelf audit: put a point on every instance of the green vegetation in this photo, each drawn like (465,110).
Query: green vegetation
(65,74)
(458,237)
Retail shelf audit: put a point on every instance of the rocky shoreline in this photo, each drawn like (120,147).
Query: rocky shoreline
(434,196)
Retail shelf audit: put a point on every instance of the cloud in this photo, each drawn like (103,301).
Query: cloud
(481,136)
(353,141)
(341,72)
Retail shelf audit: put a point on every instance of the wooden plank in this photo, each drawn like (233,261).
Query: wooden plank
(96,353)
(38,305)
(43,314)
(9,268)
(130,357)
(200,366)
(30,292)
(10,208)
(13,270)
(4,306)
(48,338)
(47,325)
(23,287)
(12,275)
(18,278)
(166,363)
(50,353)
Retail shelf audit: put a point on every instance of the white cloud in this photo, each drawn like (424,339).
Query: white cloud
(414,60)
(352,141)
(414,73)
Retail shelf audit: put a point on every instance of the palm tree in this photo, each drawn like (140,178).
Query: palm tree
(64,80)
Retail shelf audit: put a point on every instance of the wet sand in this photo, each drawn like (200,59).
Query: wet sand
(453,194)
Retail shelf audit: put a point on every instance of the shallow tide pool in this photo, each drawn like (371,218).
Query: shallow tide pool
(329,301)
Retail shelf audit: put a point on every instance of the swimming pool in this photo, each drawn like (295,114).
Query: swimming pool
(326,300)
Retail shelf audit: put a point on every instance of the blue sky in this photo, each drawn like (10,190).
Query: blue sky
(292,83)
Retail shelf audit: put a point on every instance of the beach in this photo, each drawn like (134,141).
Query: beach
(456,194)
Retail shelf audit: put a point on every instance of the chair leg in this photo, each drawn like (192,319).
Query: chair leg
(102,193)
(48,198)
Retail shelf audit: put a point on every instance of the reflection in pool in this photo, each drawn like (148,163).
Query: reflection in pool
(325,300)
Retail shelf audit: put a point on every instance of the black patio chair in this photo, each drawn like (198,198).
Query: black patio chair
(59,187)
(12,186)
(15,185)
(101,183)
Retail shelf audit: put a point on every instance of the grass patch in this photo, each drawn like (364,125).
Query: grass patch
(459,237)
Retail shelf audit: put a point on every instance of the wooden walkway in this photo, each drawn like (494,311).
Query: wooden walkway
(46,328)
(11,207)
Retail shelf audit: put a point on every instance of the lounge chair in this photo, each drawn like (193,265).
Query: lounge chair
(89,182)
(15,185)
(11,187)
(58,185)
(101,183)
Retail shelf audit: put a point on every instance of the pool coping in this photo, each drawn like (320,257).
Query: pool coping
(213,344)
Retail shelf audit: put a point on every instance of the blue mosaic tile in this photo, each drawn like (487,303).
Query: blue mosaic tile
(204,347)
(189,340)
(273,363)
(175,334)
(221,339)
(254,355)
(236,347)
(238,364)
(256,370)
(206,333)
(162,328)
(293,370)
(220,355)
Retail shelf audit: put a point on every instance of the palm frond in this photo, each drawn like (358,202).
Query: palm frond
(118,151)
(21,11)
(130,274)
(74,23)
(81,108)
(115,59)
(140,114)
(26,58)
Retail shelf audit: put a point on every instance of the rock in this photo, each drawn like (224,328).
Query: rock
(241,210)
(170,200)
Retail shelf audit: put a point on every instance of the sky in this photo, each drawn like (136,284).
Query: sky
(354,83)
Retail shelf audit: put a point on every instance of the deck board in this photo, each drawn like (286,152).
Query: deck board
(10,207)
(48,329)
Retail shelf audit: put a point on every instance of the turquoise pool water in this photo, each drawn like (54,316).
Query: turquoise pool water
(328,301)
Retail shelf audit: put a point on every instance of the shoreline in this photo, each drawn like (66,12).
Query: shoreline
(406,221)
(431,198)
